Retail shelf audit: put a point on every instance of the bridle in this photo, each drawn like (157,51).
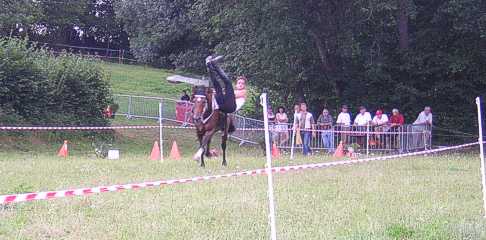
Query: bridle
(199,118)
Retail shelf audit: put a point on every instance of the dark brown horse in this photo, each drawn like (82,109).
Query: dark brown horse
(208,121)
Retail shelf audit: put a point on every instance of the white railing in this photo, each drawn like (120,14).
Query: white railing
(180,112)
(364,139)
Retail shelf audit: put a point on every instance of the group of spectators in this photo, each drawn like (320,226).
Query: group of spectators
(305,124)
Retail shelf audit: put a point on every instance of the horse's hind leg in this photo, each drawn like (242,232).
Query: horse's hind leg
(208,149)
(202,160)
(224,139)
(223,147)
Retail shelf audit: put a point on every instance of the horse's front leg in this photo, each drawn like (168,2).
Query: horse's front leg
(203,147)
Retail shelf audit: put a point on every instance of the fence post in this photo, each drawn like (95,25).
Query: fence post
(292,140)
(120,56)
(367,139)
(481,152)
(273,230)
(424,136)
(161,139)
(243,134)
(129,114)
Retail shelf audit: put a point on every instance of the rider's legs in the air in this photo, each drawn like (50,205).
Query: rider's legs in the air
(225,101)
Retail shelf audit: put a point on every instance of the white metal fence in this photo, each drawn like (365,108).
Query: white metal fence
(365,139)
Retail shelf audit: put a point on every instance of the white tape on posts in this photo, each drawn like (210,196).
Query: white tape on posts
(481,152)
(271,200)
(161,138)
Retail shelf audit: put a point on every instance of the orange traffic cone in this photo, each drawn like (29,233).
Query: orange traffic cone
(339,150)
(174,152)
(275,151)
(63,151)
(155,154)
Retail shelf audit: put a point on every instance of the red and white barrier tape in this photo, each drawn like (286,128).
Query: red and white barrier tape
(16,198)
(32,128)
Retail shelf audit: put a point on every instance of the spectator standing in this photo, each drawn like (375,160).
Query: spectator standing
(424,118)
(185,97)
(363,118)
(380,119)
(281,121)
(423,127)
(298,139)
(362,121)
(380,122)
(305,122)
(343,122)
(271,116)
(324,123)
(344,118)
(396,120)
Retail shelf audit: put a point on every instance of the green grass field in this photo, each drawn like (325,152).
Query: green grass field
(142,80)
(435,197)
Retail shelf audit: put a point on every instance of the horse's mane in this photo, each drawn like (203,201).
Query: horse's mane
(209,97)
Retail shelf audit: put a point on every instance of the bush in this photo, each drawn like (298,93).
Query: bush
(39,88)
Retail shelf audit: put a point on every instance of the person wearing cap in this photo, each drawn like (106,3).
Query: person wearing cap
(324,123)
(380,121)
(343,122)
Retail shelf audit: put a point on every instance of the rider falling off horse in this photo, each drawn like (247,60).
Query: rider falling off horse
(231,100)
(228,101)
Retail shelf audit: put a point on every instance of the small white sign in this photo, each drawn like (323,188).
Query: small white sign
(113,154)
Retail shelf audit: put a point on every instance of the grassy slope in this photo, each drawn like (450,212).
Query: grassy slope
(141,80)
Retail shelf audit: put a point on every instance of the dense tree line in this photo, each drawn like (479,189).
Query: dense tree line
(382,54)
(86,23)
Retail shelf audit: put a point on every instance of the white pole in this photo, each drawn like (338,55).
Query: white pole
(293,139)
(481,151)
(273,228)
(161,143)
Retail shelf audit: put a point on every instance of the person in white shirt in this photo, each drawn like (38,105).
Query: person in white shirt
(380,123)
(344,118)
(423,127)
(305,122)
(424,118)
(361,121)
(363,118)
(343,123)
(380,119)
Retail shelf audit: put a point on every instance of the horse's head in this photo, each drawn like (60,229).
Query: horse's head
(201,105)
